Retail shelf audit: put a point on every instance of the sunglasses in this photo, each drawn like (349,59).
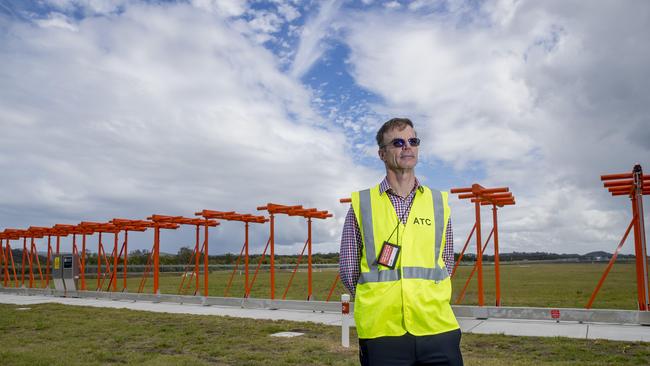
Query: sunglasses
(399,143)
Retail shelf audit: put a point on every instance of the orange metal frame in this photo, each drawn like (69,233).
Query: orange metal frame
(633,185)
(179,220)
(309,214)
(127,225)
(8,235)
(481,196)
(246,219)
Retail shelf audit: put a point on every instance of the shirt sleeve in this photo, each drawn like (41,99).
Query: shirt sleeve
(448,253)
(350,252)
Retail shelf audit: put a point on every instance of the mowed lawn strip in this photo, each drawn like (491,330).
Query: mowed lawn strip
(54,334)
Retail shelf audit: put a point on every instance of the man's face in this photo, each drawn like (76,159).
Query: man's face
(405,157)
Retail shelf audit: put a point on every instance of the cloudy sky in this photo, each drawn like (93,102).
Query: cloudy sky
(125,108)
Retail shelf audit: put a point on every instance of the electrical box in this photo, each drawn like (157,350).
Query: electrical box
(65,272)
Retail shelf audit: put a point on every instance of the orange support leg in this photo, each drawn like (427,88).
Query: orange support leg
(24,258)
(232,275)
(462,292)
(259,264)
(497,276)
(82,259)
(206,272)
(293,273)
(309,269)
(611,263)
(479,254)
(272,260)
(462,252)
(126,254)
(49,260)
(336,279)
(114,271)
(156,261)
(246,259)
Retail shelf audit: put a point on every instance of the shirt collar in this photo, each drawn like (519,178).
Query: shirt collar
(384,186)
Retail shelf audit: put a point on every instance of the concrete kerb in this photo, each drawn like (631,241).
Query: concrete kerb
(461,311)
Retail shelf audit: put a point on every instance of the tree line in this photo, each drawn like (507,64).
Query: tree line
(185,256)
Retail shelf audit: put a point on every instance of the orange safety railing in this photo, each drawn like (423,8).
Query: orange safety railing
(481,196)
(633,185)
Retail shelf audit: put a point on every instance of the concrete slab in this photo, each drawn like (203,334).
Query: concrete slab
(628,333)
(467,324)
(531,328)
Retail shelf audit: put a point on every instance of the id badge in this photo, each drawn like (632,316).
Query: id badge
(388,255)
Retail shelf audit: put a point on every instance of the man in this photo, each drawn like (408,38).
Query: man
(396,260)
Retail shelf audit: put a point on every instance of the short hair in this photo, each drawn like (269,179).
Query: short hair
(392,123)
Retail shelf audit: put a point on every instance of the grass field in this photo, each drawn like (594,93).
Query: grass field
(539,285)
(53,334)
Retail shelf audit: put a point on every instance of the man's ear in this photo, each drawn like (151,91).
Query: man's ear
(381,154)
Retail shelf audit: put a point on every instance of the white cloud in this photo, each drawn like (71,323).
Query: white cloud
(392,5)
(288,11)
(88,6)
(228,8)
(160,109)
(544,97)
(57,20)
(314,31)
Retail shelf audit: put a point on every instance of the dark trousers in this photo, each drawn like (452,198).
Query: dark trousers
(439,349)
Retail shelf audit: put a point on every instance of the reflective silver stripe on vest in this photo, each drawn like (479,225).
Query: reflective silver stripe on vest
(439,218)
(434,274)
(368,233)
(380,276)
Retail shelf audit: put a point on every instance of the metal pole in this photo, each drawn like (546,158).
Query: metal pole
(31,259)
(24,262)
(83,259)
(479,254)
(496,256)
(126,253)
(47,264)
(99,260)
(156,260)
(309,270)
(272,260)
(205,261)
(58,241)
(5,254)
(196,259)
(246,258)
(345,320)
(638,193)
(115,255)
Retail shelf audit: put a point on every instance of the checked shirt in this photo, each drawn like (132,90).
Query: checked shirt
(351,243)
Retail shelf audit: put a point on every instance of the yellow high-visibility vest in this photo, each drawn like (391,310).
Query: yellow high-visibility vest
(414,296)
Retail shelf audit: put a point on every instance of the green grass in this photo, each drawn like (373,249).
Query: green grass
(538,285)
(53,334)
(554,285)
